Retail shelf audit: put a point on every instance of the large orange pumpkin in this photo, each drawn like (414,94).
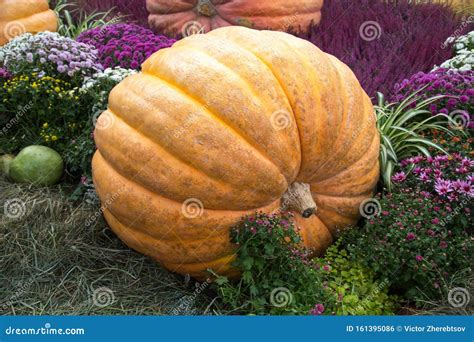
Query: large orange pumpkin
(21,16)
(190,16)
(222,125)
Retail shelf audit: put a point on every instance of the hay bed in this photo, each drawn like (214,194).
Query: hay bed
(53,264)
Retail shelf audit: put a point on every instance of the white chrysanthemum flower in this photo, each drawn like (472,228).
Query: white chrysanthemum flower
(464,53)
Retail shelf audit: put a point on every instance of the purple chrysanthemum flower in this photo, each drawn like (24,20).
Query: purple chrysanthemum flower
(417,159)
(317,310)
(424,177)
(124,45)
(462,170)
(399,177)
(405,162)
(437,173)
(454,85)
(452,196)
(4,74)
(425,194)
(467,162)
(443,187)
(441,158)
(464,187)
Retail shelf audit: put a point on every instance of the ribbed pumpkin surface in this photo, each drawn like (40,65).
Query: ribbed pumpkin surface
(199,123)
(21,16)
(172,16)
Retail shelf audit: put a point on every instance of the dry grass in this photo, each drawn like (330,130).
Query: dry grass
(53,264)
(459,290)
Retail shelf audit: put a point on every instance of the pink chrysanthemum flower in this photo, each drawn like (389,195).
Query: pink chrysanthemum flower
(443,187)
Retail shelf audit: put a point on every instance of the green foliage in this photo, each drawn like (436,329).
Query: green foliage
(459,143)
(51,112)
(277,276)
(37,110)
(401,127)
(93,97)
(354,286)
(413,243)
(72,21)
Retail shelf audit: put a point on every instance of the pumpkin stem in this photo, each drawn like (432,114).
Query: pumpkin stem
(298,198)
(206,8)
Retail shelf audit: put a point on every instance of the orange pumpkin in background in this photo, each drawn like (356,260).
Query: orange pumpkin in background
(21,16)
(223,125)
(186,17)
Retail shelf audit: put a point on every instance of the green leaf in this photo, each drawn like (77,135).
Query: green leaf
(247,276)
(269,248)
(247,263)
(221,280)
(400,127)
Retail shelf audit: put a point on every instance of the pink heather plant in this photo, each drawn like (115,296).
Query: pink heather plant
(398,45)
(135,10)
